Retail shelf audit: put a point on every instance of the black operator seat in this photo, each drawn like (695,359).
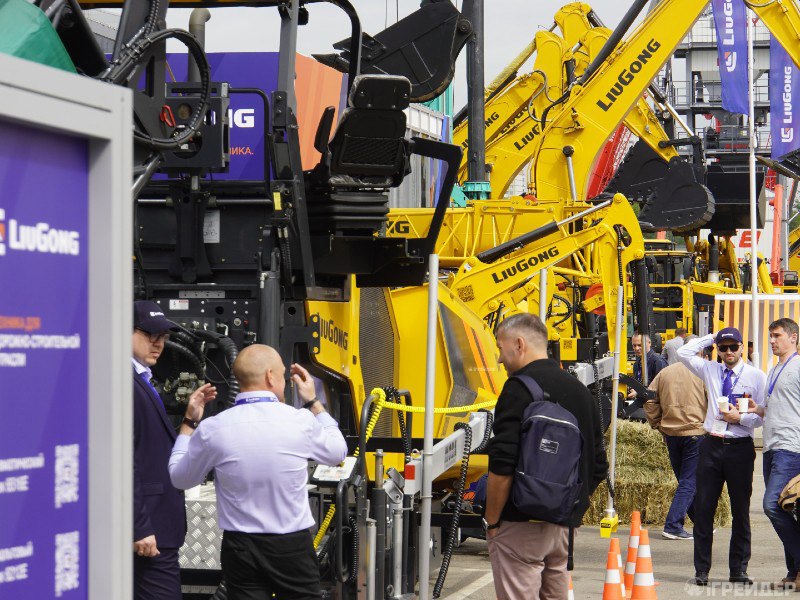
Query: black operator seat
(368,155)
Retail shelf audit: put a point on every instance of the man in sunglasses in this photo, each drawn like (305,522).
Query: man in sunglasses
(159,517)
(727,454)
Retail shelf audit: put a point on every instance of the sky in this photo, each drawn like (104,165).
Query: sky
(509,26)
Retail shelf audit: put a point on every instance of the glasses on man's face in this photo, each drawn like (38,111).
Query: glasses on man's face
(154,337)
(728,347)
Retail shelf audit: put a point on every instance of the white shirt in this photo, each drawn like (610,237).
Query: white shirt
(746,380)
(670,350)
(260,453)
(782,417)
(140,368)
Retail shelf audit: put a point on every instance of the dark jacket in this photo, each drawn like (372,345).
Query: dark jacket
(570,393)
(158,508)
(655,363)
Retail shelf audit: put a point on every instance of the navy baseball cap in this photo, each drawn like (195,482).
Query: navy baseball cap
(729,334)
(149,317)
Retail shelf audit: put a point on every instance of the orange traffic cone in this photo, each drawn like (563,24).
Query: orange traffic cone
(614,547)
(571,595)
(612,589)
(633,547)
(644,585)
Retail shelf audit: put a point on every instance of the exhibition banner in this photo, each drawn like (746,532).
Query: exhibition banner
(44,370)
(730,20)
(784,91)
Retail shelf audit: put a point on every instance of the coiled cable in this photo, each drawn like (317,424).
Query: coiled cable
(454,521)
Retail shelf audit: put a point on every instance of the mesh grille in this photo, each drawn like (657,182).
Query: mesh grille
(376,348)
(374,152)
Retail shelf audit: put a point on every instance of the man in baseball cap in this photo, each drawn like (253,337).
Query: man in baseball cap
(730,334)
(159,518)
(726,454)
(149,318)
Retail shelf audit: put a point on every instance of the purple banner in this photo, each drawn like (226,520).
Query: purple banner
(730,19)
(43,364)
(246,115)
(784,93)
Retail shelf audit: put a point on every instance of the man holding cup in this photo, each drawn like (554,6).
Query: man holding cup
(727,454)
(781,412)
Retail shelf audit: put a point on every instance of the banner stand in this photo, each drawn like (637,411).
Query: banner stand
(65,326)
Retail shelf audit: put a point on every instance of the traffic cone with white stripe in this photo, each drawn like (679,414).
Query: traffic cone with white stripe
(571,594)
(644,585)
(614,547)
(612,589)
(633,547)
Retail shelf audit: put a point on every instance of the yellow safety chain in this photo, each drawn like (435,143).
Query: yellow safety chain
(380,402)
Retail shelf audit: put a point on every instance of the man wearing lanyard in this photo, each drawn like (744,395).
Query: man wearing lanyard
(727,454)
(159,516)
(259,450)
(781,413)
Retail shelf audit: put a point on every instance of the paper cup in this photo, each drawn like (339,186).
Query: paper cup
(722,404)
(744,403)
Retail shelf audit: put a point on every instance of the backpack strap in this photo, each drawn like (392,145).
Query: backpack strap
(536,392)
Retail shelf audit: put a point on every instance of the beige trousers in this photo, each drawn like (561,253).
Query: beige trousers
(529,561)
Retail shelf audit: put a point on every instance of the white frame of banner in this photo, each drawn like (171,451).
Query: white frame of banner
(42,97)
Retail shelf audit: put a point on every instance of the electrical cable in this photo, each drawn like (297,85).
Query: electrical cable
(458,494)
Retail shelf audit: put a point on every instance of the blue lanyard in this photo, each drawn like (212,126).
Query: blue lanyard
(778,374)
(735,381)
(256,400)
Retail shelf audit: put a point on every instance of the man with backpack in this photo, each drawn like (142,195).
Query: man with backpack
(545,460)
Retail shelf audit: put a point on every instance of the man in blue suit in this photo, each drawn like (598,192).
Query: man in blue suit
(159,517)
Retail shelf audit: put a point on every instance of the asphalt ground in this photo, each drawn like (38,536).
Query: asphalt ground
(470,575)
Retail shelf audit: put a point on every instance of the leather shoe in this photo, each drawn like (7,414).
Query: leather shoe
(740,577)
(787,584)
(700,578)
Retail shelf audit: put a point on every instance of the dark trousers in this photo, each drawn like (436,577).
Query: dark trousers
(779,467)
(258,565)
(683,456)
(157,578)
(730,462)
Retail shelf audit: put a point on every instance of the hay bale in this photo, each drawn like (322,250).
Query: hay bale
(644,479)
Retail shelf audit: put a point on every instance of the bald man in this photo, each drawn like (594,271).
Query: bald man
(259,450)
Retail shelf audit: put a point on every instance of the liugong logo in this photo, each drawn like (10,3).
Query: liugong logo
(787,133)
(40,237)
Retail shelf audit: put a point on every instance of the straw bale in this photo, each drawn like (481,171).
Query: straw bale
(644,479)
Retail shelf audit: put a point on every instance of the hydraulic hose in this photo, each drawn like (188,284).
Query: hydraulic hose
(123,68)
(231,352)
(197,366)
(614,39)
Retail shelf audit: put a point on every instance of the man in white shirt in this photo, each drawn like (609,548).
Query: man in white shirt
(259,450)
(670,350)
(727,455)
(781,412)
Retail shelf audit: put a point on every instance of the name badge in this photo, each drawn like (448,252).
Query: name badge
(718,428)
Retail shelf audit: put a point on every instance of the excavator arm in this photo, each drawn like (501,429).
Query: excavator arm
(488,284)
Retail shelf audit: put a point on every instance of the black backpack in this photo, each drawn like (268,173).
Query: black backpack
(547,483)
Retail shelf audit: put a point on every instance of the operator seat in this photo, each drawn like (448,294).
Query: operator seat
(368,155)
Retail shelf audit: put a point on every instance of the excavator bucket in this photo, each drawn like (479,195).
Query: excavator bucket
(422,47)
(671,197)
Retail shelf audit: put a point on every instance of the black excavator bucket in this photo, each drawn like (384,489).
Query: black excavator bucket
(671,195)
(423,47)
(731,191)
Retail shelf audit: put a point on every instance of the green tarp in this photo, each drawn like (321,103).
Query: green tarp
(26,32)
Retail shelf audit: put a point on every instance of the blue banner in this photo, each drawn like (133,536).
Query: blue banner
(43,364)
(784,93)
(730,20)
